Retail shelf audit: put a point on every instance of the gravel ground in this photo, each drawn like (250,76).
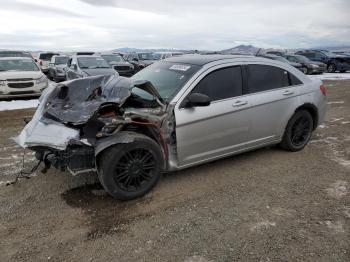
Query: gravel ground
(266,205)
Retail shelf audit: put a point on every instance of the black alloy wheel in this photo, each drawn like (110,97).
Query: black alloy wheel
(298,131)
(134,169)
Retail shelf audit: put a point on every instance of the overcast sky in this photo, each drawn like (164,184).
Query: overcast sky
(184,24)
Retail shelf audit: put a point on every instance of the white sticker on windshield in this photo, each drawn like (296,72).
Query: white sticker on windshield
(180,67)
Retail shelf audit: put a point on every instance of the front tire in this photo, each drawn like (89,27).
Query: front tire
(298,131)
(130,170)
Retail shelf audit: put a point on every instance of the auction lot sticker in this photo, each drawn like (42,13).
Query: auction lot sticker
(180,67)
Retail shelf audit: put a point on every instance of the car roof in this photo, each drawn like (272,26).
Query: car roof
(16,58)
(78,56)
(201,60)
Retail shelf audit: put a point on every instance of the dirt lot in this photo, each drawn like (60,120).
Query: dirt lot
(267,205)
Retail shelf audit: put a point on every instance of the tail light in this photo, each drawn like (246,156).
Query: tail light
(323,90)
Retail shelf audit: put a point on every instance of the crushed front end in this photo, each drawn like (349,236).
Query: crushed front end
(78,119)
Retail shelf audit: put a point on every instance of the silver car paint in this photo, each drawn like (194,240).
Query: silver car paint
(241,123)
(233,125)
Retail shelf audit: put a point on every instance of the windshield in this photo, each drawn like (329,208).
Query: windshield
(60,60)
(166,77)
(46,56)
(302,58)
(14,54)
(18,65)
(112,58)
(281,59)
(92,62)
(147,56)
(327,53)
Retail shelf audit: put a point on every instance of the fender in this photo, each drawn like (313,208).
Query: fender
(121,137)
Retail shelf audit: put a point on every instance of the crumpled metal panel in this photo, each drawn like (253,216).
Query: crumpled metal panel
(77,100)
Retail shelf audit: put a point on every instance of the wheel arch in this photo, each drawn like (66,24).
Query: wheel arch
(122,137)
(312,109)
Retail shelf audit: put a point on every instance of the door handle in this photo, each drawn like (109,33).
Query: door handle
(288,93)
(240,103)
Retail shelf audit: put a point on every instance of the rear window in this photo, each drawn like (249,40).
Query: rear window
(265,77)
(15,54)
(46,56)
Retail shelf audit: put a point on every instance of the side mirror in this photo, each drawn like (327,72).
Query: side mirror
(197,99)
(75,67)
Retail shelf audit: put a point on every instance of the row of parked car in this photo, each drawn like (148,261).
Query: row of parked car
(25,75)
(314,61)
(82,64)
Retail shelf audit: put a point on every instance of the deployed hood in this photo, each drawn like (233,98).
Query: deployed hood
(99,71)
(76,101)
(4,75)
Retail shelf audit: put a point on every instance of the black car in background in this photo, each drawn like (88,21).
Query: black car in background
(116,61)
(334,62)
(309,67)
(142,59)
(282,59)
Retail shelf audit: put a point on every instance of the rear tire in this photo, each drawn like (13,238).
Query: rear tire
(298,131)
(130,170)
(331,68)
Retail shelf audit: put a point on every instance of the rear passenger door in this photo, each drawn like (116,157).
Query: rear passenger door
(208,132)
(272,93)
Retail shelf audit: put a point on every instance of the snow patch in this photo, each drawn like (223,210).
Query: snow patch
(331,76)
(338,189)
(18,104)
(335,226)
(262,225)
(335,102)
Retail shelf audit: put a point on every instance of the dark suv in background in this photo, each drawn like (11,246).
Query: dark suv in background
(334,62)
(309,67)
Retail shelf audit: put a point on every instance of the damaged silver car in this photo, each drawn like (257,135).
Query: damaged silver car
(174,114)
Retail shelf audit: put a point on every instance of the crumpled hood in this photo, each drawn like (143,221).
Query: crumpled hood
(76,101)
(99,71)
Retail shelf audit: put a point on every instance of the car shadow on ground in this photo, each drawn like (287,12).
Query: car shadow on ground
(107,215)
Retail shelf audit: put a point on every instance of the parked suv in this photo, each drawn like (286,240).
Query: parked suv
(308,66)
(119,64)
(57,68)
(174,114)
(20,77)
(334,62)
(142,59)
(44,60)
(87,65)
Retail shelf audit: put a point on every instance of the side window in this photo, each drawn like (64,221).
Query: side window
(264,77)
(319,55)
(221,84)
(309,55)
(294,80)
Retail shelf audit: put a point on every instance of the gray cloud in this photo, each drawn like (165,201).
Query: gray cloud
(185,24)
(37,9)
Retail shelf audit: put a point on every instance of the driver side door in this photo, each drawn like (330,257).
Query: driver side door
(209,132)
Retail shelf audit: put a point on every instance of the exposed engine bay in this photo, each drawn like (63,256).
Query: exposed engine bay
(76,120)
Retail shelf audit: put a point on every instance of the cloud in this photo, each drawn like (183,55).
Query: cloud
(186,24)
(37,9)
